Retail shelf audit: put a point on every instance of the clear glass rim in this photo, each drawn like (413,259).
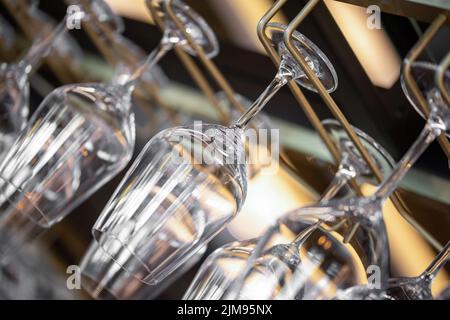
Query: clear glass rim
(381,156)
(307,43)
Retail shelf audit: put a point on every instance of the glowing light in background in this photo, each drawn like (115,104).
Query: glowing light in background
(372,47)
(269,197)
(135,10)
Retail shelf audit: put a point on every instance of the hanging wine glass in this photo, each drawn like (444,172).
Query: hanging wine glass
(406,288)
(368,210)
(217,276)
(188,183)
(80,137)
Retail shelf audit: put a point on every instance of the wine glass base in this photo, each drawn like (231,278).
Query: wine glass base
(380,156)
(194,24)
(315,58)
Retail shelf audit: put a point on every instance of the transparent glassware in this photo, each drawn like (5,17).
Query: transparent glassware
(104,279)
(368,210)
(216,277)
(406,288)
(185,186)
(14,88)
(106,27)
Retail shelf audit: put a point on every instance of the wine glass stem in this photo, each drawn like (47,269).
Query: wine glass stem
(437,264)
(282,77)
(430,132)
(335,186)
(154,57)
(41,48)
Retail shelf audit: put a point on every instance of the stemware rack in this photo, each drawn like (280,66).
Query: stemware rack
(435,11)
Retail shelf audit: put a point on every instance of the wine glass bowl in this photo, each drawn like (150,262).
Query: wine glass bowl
(315,58)
(77,140)
(181,191)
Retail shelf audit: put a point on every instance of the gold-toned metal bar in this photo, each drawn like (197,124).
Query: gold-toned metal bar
(409,79)
(401,207)
(191,67)
(207,63)
(298,94)
(440,78)
(58,64)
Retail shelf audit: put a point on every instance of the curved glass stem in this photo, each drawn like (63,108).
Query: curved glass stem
(438,263)
(282,77)
(155,56)
(430,132)
(42,47)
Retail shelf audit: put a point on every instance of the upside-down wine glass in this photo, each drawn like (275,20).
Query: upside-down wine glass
(405,288)
(220,272)
(101,278)
(368,210)
(80,137)
(189,182)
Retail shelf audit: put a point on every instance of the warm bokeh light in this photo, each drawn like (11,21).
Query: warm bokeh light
(136,9)
(269,197)
(241,20)
(372,47)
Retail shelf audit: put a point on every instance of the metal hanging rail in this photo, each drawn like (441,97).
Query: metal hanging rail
(332,106)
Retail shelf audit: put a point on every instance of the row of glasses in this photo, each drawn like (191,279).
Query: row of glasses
(80,137)
(220,271)
(188,183)
(7,37)
(367,211)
